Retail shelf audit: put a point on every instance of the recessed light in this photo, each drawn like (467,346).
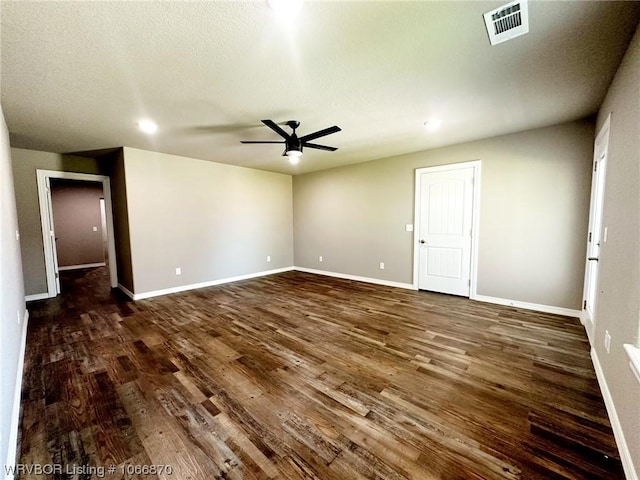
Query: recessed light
(147,126)
(433,124)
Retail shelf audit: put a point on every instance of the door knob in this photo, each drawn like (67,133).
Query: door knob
(593,258)
(422,241)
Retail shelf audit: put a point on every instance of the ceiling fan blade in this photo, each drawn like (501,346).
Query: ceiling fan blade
(320,133)
(276,128)
(260,141)
(320,147)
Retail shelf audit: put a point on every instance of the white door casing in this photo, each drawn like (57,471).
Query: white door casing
(46,217)
(51,236)
(595,234)
(445,222)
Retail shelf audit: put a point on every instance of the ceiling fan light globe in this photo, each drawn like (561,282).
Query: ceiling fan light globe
(285,8)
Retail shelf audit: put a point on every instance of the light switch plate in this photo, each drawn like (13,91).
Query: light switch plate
(408,227)
(178,271)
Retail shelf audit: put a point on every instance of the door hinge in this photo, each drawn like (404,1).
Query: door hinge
(57,275)
(584,305)
(595,166)
(589,236)
(469,282)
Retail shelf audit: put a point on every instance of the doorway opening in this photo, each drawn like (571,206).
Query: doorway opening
(77,225)
(447,201)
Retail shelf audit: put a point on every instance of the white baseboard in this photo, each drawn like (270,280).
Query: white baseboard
(623,448)
(85,265)
(528,306)
(182,288)
(36,296)
(15,412)
(345,276)
(126,291)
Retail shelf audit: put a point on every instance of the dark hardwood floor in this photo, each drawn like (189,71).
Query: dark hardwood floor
(297,376)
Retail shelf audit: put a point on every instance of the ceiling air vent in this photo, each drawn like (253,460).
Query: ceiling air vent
(507,22)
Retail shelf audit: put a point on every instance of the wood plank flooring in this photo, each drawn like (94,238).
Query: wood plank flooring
(298,376)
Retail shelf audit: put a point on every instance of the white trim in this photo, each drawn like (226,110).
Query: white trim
(43,200)
(15,412)
(634,359)
(618,433)
(85,265)
(528,306)
(36,296)
(475,225)
(126,291)
(345,276)
(182,288)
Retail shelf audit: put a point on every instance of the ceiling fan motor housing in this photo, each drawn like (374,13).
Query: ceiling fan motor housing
(292,142)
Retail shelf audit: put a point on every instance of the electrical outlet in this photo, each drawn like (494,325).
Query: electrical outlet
(268,258)
(607,341)
(95,229)
(320,258)
(178,271)
(381,265)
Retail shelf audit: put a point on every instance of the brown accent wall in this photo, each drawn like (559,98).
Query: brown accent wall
(77,222)
(121,219)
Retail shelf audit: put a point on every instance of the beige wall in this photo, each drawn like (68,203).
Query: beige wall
(25,163)
(12,305)
(214,221)
(533,214)
(618,309)
(76,212)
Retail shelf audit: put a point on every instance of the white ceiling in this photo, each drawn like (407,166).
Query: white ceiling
(77,76)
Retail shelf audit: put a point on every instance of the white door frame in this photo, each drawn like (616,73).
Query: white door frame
(475,221)
(46,212)
(596,207)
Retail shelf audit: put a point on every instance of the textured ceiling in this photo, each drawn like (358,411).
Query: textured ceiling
(77,76)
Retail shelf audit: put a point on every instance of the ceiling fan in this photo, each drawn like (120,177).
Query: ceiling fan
(293,143)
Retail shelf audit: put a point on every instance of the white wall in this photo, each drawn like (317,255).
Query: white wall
(213,221)
(533,214)
(25,164)
(618,308)
(12,307)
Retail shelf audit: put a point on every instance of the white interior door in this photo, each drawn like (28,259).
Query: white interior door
(52,237)
(595,235)
(445,230)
